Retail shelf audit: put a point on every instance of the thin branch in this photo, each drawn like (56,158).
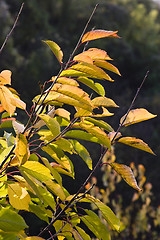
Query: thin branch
(14,25)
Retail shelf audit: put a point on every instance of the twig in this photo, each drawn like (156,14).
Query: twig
(14,25)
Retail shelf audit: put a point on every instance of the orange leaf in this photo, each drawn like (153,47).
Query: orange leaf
(107,65)
(94,54)
(135,116)
(83,58)
(96,34)
(65,80)
(5,77)
(136,143)
(7,100)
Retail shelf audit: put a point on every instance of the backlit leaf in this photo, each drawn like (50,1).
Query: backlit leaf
(37,170)
(95,54)
(83,153)
(34,238)
(103,101)
(96,34)
(135,116)
(97,87)
(5,77)
(97,132)
(136,143)
(7,100)
(56,189)
(85,113)
(51,123)
(18,196)
(19,103)
(66,81)
(92,71)
(22,150)
(107,65)
(126,173)
(55,49)
(10,221)
(100,123)
(83,58)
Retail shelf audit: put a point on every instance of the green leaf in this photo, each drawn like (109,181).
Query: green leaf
(126,173)
(9,138)
(39,211)
(136,143)
(100,123)
(10,221)
(97,87)
(83,234)
(103,101)
(55,49)
(4,153)
(100,227)
(37,170)
(135,116)
(83,153)
(109,216)
(18,196)
(8,236)
(51,123)
(56,189)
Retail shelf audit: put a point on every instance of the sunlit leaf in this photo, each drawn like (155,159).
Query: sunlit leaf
(34,238)
(97,132)
(84,113)
(103,101)
(83,58)
(136,143)
(7,100)
(92,71)
(96,34)
(51,123)
(66,81)
(97,87)
(18,196)
(37,170)
(5,153)
(10,221)
(83,153)
(135,116)
(73,92)
(55,49)
(95,54)
(56,189)
(5,77)
(100,123)
(126,173)
(19,103)
(22,150)
(107,65)
(65,145)
(66,229)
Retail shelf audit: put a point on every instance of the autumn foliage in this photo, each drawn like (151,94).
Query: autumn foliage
(35,156)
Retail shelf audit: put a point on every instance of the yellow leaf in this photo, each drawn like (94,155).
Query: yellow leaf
(66,81)
(51,123)
(92,71)
(5,77)
(55,49)
(94,54)
(19,103)
(135,116)
(96,34)
(126,173)
(63,113)
(103,101)
(34,238)
(56,189)
(107,65)
(136,143)
(83,58)
(7,100)
(22,150)
(97,132)
(84,113)
(18,196)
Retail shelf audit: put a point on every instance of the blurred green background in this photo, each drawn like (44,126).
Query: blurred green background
(138,50)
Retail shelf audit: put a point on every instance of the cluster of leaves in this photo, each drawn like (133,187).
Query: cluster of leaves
(140,217)
(31,180)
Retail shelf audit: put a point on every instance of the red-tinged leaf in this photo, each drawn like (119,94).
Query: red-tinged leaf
(95,54)
(135,116)
(103,101)
(107,65)
(5,77)
(7,100)
(63,113)
(55,49)
(66,81)
(126,173)
(136,143)
(96,34)
(92,71)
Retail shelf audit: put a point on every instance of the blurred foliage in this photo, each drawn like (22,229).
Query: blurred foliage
(140,217)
